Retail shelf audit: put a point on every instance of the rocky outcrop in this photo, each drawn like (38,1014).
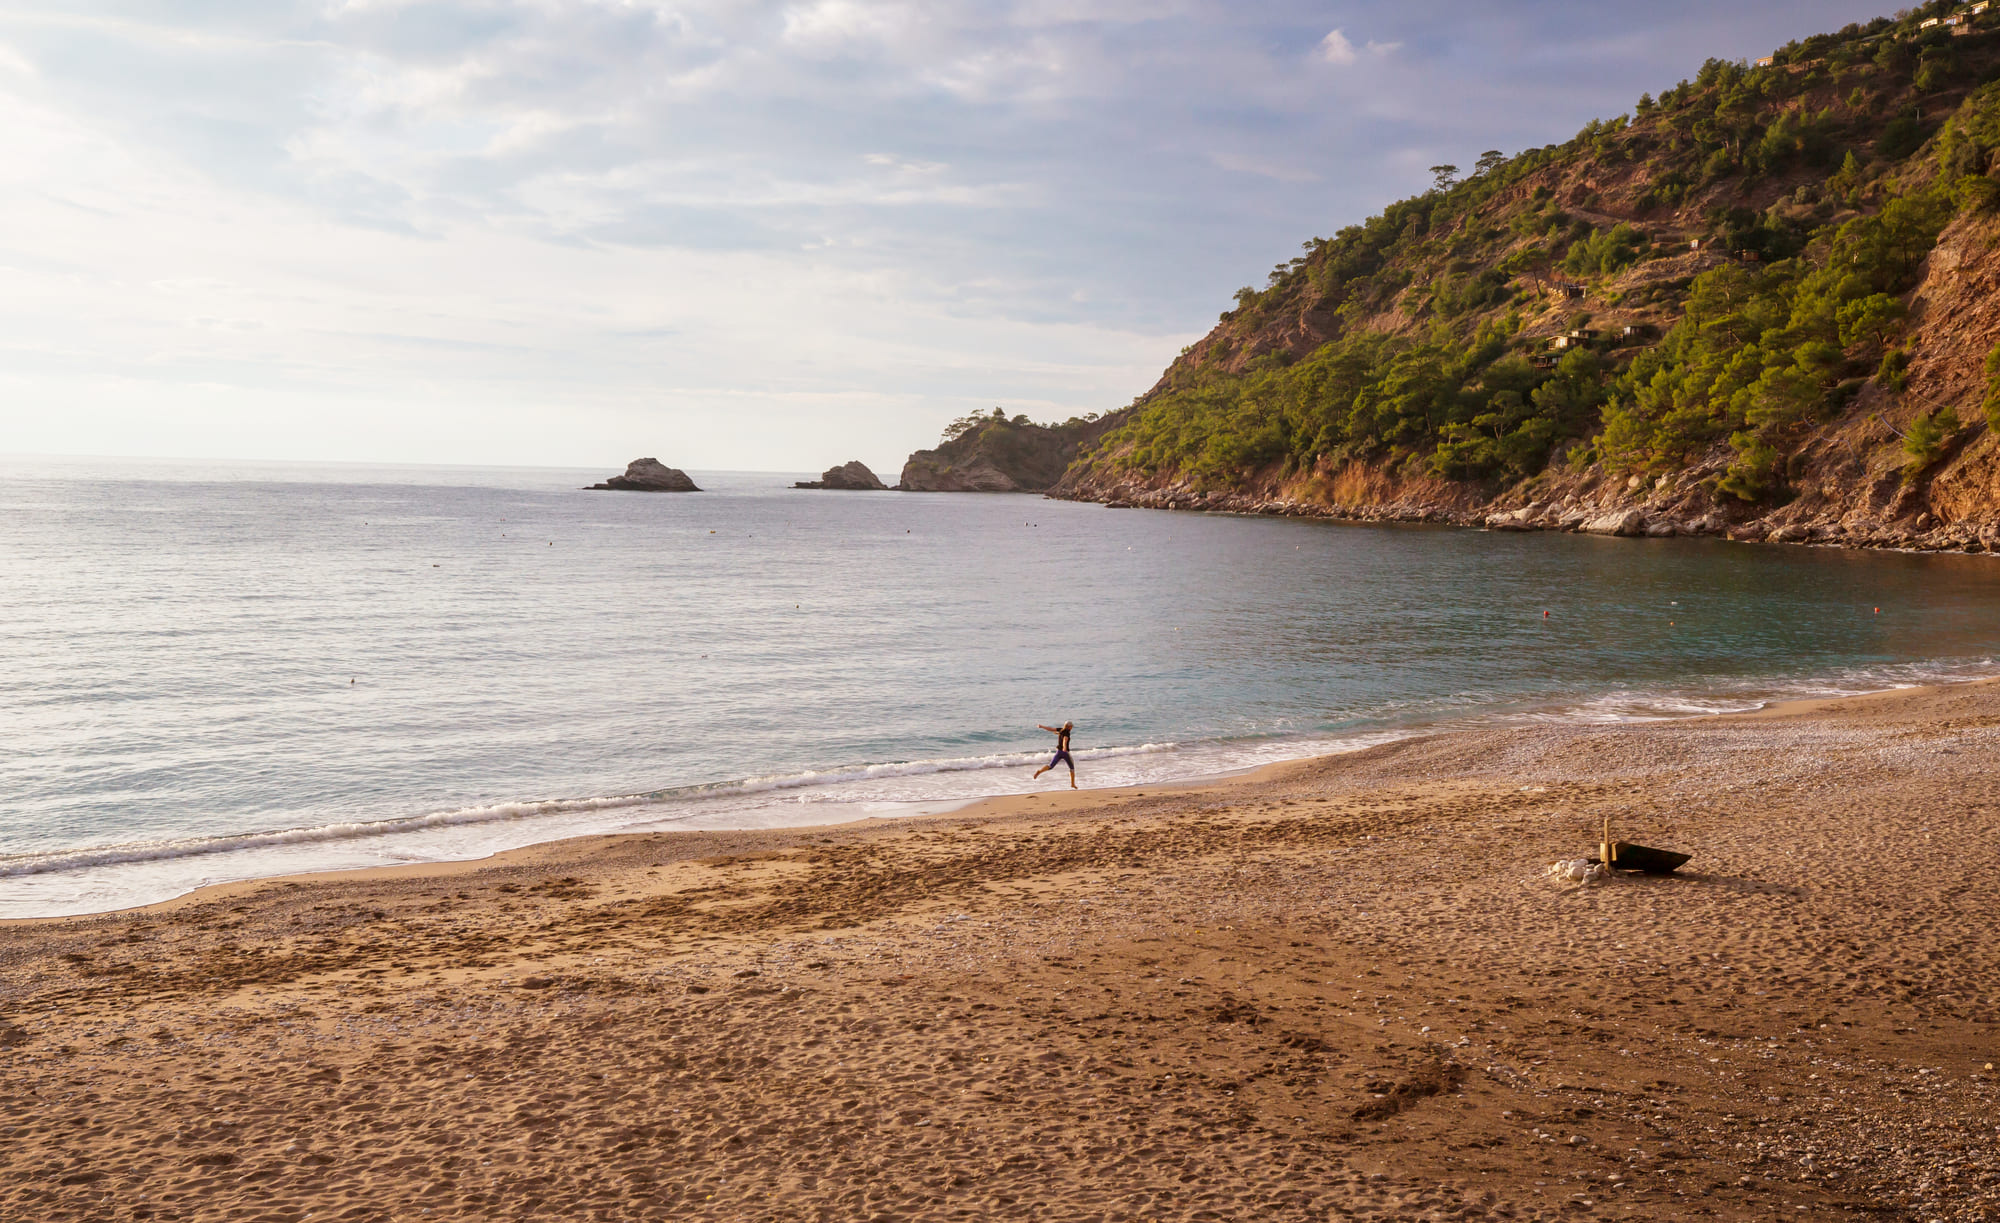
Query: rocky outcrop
(924,473)
(997,455)
(649,476)
(848,477)
(1835,514)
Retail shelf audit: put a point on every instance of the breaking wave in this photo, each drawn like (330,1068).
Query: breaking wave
(17,865)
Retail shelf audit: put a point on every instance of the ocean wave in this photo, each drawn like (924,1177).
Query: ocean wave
(16,865)
(914,768)
(13,866)
(1639,705)
(1220,755)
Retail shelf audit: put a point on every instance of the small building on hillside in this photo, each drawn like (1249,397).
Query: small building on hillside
(1750,257)
(1581,337)
(1767,61)
(1977,9)
(1569,289)
(1929,23)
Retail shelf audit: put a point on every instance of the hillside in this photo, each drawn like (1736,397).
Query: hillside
(1763,303)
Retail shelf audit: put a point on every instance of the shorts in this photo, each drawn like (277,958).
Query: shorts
(1062,757)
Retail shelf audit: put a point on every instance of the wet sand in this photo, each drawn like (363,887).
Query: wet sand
(1342,989)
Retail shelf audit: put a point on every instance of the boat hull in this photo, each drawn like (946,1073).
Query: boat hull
(1645,859)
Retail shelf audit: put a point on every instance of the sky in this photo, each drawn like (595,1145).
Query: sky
(764,235)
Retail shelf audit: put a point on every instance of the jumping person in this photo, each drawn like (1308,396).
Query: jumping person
(1062,751)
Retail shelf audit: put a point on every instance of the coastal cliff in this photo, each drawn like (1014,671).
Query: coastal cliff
(998,454)
(1765,304)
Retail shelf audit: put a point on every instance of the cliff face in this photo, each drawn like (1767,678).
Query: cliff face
(998,455)
(1763,306)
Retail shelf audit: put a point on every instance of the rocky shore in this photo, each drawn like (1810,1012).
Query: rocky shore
(1886,512)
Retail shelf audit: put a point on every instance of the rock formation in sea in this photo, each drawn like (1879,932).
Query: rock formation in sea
(650,476)
(848,477)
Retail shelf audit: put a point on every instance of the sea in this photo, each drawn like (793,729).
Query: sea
(216,671)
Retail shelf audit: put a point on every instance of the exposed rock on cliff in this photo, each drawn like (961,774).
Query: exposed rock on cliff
(993,454)
(649,476)
(848,477)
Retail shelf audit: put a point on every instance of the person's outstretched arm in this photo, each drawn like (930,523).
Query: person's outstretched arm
(1054,730)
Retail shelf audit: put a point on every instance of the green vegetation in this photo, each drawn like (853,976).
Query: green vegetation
(1925,442)
(1992,404)
(998,418)
(1760,355)
(1820,177)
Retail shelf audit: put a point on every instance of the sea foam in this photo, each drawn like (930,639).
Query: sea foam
(18,865)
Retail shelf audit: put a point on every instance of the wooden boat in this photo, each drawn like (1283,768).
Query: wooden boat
(1645,859)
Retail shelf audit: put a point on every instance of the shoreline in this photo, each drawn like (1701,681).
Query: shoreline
(1003,806)
(1341,987)
(1588,508)
(987,807)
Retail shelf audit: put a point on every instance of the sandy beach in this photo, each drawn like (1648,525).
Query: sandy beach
(1340,989)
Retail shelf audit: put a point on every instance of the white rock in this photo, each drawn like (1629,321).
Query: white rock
(1617,522)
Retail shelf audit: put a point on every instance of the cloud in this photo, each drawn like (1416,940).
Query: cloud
(831,26)
(592,220)
(1335,48)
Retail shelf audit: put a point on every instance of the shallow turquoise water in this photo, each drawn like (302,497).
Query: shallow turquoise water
(213,671)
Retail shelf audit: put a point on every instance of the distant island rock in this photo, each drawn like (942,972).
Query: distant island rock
(993,454)
(649,476)
(848,477)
